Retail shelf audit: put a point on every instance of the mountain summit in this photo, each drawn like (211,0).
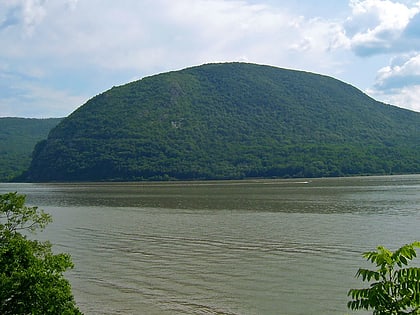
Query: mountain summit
(229,121)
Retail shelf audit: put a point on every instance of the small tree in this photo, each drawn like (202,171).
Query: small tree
(394,290)
(31,276)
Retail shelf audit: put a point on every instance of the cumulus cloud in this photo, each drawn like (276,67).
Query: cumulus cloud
(388,28)
(406,97)
(116,41)
(138,34)
(381,26)
(69,47)
(399,82)
(402,72)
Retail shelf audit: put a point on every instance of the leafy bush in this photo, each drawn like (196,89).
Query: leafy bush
(31,276)
(395,289)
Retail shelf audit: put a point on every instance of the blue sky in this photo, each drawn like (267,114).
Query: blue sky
(55,55)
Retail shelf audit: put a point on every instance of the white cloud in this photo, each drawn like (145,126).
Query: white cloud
(70,47)
(390,28)
(399,82)
(30,100)
(149,36)
(377,26)
(26,13)
(402,72)
(406,97)
(23,94)
(136,35)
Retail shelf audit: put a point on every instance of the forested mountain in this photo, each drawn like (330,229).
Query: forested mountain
(229,121)
(18,137)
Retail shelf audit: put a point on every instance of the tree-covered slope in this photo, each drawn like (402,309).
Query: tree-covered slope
(230,120)
(18,137)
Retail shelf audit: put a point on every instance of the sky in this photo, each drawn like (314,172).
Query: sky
(57,54)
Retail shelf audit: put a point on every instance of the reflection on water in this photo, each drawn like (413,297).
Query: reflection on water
(340,195)
(240,247)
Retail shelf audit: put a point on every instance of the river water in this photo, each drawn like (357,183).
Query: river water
(224,247)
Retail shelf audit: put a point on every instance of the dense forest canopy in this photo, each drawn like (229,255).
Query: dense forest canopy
(18,137)
(229,121)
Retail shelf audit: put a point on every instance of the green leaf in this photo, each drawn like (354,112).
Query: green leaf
(31,275)
(396,290)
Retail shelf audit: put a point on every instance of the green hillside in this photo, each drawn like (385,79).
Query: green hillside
(225,121)
(18,137)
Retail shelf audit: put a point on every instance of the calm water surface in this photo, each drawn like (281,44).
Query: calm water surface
(242,247)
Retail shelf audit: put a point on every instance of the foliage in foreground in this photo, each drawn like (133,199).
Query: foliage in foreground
(31,276)
(394,289)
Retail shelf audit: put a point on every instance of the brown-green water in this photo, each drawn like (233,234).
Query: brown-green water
(243,247)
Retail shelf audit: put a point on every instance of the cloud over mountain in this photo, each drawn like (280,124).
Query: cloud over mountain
(379,26)
(77,49)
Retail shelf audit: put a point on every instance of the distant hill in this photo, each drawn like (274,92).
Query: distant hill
(18,137)
(229,121)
